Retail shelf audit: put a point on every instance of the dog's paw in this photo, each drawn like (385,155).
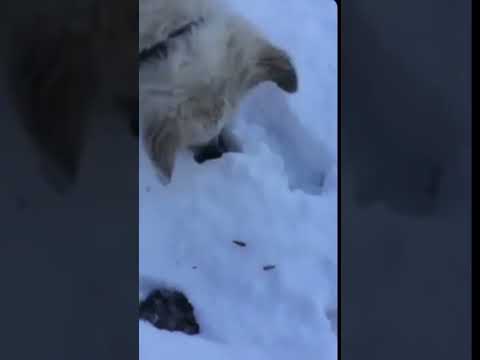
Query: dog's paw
(169,310)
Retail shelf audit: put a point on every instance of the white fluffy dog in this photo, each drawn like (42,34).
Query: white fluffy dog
(197,59)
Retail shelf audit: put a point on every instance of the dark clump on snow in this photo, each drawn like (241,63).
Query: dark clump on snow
(239,243)
(211,151)
(269,267)
(169,310)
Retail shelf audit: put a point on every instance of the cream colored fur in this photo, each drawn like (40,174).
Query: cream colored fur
(188,98)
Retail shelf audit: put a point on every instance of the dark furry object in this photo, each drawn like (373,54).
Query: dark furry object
(169,310)
(213,150)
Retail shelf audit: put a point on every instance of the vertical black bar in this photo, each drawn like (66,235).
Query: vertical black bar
(406,180)
(69,180)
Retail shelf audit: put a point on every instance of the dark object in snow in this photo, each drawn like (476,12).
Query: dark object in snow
(239,243)
(207,152)
(213,150)
(223,143)
(169,310)
(269,267)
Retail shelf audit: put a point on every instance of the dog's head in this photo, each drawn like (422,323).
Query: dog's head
(227,56)
(190,91)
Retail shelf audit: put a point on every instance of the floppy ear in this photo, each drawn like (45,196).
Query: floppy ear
(161,143)
(275,65)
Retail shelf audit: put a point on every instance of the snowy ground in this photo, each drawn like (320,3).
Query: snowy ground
(279,197)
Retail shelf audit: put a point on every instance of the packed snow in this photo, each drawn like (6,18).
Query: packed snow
(279,197)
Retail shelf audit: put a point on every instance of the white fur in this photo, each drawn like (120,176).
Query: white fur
(188,98)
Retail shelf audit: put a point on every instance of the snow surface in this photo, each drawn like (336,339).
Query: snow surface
(279,197)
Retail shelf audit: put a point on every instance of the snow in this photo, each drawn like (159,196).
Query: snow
(279,197)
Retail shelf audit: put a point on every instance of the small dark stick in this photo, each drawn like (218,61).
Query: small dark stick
(268,267)
(239,243)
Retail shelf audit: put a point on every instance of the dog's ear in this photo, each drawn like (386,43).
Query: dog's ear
(162,143)
(274,64)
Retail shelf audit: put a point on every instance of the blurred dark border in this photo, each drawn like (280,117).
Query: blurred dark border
(68,199)
(405,172)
